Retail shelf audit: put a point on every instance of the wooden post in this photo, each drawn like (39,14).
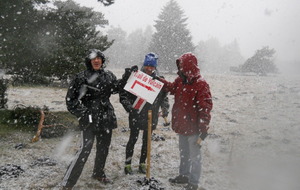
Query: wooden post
(149,143)
(40,127)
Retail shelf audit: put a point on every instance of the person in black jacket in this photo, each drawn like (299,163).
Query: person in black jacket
(139,121)
(88,99)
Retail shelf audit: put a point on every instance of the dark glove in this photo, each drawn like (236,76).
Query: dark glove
(134,68)
(134,111)
(127,74)
(202,136)
(130,109)
(156,78)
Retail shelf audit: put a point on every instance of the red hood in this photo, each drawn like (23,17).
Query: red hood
(189,66)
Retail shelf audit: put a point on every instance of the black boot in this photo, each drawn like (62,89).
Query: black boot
(181,179)
(128,170)
(142,168)
(103,179)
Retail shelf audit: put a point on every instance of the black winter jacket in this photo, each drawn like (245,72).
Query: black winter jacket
(140,120)
(89,94)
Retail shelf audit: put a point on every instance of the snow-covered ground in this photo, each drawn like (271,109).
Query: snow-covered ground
(254,140)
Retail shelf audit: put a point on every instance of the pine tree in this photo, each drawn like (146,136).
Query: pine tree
(138,42)
(215,58)
(130,49)
(73,33)
(3,93)
(18,23)
(116,55)
(171,38)
(262,62)
(39,41)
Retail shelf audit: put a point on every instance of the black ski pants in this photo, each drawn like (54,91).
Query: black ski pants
(103,140)
(134,134)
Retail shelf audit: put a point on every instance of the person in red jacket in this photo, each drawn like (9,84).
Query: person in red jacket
(190,117)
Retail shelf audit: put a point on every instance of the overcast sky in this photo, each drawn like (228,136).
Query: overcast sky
(253,23)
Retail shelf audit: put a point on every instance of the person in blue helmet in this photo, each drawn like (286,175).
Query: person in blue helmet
(88,99)
(139,121)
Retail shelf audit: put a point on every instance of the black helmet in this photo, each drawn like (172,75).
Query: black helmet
(91,54)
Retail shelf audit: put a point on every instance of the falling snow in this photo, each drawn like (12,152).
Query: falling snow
(254,140)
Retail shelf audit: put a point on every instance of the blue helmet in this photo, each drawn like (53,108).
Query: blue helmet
(151,60)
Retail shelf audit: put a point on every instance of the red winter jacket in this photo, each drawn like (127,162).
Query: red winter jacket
(193,102)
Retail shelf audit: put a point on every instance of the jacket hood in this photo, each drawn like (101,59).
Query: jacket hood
(91,54)
(189,66)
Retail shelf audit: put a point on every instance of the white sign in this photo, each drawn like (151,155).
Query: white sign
(143,86)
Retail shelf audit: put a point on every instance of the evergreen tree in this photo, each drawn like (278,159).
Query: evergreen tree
(262,62)
(72,31)
(19,21)
(232,54)
(209,53)
(171,38)
(138,41)
(215,58)
(128,50)
(3,93)
(117,54)
(39,41)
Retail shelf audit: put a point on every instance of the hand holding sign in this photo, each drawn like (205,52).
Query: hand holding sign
(128,72)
